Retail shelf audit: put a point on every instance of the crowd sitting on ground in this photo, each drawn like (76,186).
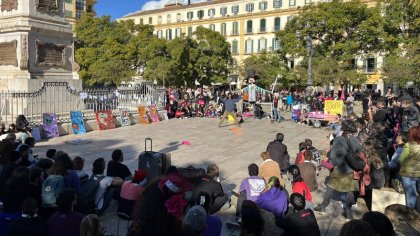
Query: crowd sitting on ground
(53,195)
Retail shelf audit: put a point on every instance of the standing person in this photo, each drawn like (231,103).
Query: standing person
(65,222)
(289,100)
(302,221)
(276,113)
(410,167)
(270,168)
(342,177)
(278,152)
(350,103)
(229,105)
(116,168)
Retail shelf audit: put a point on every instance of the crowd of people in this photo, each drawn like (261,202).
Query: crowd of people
(54,195)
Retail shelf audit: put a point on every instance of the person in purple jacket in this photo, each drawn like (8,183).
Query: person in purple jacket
(251,187)
(274,199)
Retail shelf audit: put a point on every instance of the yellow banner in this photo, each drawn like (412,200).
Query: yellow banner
(333,107)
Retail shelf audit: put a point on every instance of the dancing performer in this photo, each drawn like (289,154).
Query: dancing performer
(229,104)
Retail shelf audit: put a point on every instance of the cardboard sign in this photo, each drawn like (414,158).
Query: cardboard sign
(153,113)
(77,122)
(143,118)
(332,107)
(50,126)
(105,119)
(125,117)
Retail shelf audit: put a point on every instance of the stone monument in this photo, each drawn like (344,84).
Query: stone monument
(36,45)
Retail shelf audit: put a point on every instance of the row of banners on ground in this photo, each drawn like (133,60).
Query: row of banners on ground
(331,109)
(105,120)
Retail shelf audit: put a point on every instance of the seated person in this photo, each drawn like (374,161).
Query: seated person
(79,163)
(30,224)
(214,223)
(308,172)
(210,184)
(274,199)
(301,222)
(116,168)
(132,189)
(270,168)
(299,186)
(251,187)
(300,156)
(107,185)
(65,222)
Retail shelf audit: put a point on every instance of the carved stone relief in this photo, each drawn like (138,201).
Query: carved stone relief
(24,53)
(49,55)
(8,53)
(47,6)
(9,5)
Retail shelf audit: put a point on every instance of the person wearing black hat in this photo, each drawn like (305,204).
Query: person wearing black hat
(341,178)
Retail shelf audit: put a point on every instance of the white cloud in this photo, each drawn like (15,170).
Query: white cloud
(152,5)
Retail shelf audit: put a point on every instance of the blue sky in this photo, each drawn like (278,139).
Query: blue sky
(117,8)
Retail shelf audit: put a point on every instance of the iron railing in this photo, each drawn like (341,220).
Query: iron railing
(61,98)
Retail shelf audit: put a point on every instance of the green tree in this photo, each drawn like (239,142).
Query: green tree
(101,50)
(267,66)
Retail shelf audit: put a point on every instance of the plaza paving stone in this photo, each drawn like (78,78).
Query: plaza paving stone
(233,150)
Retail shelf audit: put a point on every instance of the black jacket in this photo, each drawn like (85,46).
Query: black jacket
(278,153)
(301,223)
(34,226)
(210,186)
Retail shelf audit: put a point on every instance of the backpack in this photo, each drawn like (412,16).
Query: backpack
(316,156)
(51,188)
(86,196)
(361,169)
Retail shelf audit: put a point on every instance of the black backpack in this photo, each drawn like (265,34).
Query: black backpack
(86,198)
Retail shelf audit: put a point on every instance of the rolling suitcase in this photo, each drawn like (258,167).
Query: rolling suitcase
(154,163)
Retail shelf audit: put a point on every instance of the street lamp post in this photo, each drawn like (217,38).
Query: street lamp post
(309,82)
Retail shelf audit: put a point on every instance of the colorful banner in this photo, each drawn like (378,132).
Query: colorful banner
(125,117)
(50,125)
(77,122)
(332,107)
(320,115)
(105,120)
(153,113)
(143,118)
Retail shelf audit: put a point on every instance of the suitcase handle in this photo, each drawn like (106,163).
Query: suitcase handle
(145,144)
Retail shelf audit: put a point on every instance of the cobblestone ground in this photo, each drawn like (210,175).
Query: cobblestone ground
(233,150)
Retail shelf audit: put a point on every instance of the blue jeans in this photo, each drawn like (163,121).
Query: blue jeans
(350,110)
(276,114)
(411,188)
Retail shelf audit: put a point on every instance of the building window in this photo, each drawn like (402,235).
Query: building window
(160,34)
(89,8)
(178,32)
(150,20)
(223,11)
(262,45)
(277,3)
(80,5)
(68,1)
(370,65)
(277,24)
(235,28)
(276,44)
(223,29)
(234,47)
(168,18)
(249,46)
(200,14)
(212,12)
(235,10)
(141,21)
(178,17)
(307,1)
(212,27)
(190,15)
(292,3)
(190,31)
(249,7)
(249,27)
(169,34)
(263,6)
(68,13)
(262,26)
(159,19)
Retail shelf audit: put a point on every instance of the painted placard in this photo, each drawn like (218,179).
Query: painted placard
(105,119)
(143,118)
(50,125)
(153,113)
(77,122)
(125,117)
(332,107)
